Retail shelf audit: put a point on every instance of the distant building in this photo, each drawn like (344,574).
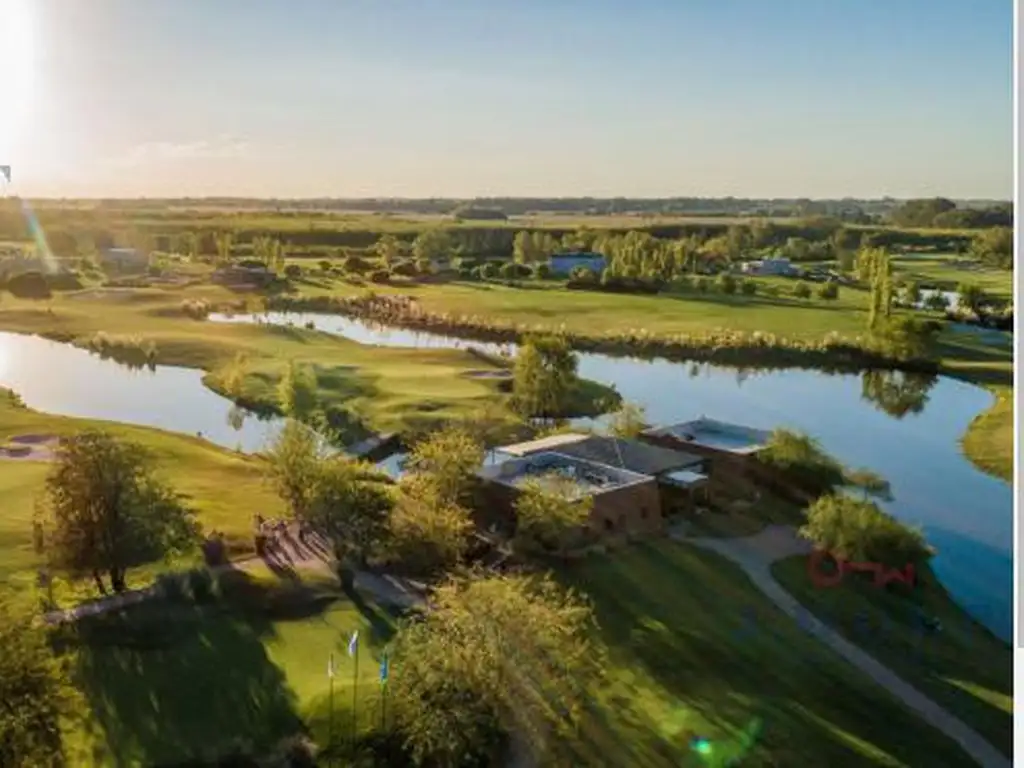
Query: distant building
(124,259)
(564,263)
(769,267)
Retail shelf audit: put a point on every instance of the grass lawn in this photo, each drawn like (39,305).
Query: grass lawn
(224,488)
(988,441)
(696,651)
(964,667)
(166,682)
(946,271)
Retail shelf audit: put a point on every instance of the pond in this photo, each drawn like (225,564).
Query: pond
(67,381)
(903,427)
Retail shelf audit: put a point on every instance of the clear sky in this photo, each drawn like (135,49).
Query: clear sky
(459,98)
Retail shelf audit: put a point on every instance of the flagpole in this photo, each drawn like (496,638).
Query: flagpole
(355,696)
(330,710)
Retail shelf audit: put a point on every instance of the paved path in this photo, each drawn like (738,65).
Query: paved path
(291,557)
(755,555)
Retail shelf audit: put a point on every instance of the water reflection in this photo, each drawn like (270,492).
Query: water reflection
(897,393)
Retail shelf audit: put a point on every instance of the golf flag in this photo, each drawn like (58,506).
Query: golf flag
(353,644)
(5,170)
(384,668)
(330,667)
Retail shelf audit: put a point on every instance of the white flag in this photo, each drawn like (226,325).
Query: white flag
(353,644)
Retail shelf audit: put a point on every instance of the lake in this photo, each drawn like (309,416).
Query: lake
(907,431)
(67,381)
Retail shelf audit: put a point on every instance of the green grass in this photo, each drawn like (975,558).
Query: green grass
(964,668)
(225,489)
(166,682)
(946,271)
(697,651)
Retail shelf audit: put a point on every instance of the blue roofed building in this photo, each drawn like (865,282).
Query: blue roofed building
(564,263)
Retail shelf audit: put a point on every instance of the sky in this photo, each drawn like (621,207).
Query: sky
(465,98)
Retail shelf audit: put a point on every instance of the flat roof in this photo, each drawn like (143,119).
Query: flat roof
(685,478)
(542,444)
(631,455)
(720,435)
(587,477)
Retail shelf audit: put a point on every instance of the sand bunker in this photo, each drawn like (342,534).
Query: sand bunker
(28,448)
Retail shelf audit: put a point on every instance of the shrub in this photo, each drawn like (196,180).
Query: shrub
(405,268)
(684,283)
(770,289)
(703,285)
(541,271)
(171,586)
(828,291)
(748,287)
(293,271)
(29,285)
(197,309)
(380,276)
(802,290)
(201,585)
(508,270)
(726,283)
(424,266)
(802,461)
(584,275)
(857,530)
(325,265)
(468,273)
(355,265)
(489,271)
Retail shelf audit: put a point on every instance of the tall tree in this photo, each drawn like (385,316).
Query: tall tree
(224,242)
(870,484)
(448,459)
(298,391)
(106,510)
(294,459)
(544,376)
(35,693)
(432,244)
(550,516)
(497,655)
(388,249)
(629,421)
(349,508)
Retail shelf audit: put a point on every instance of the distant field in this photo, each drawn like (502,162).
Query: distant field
(946,271)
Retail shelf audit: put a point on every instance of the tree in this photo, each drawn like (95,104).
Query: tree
(629,421)
(106,511)
(971,297)
(870,484)
(224,243)
(35,692)
(294,462)
(550,516)
(496,656)
(737,239)
(432,244)
(994,246)
(388,249)
(234,376)
(910,293)
(523,251)
(349,508)
(426,535)
(297,391)
(544,376)
(857,530)
(447,460)
(802,460)
(190,245)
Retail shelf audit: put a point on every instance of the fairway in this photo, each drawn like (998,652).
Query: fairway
(696,651)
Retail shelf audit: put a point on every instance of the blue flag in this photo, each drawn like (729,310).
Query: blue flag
(353,644)
(384,668)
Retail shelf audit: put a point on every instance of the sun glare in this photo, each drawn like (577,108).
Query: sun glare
(16,65)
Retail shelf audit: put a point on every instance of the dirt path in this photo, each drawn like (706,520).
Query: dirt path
(755,555)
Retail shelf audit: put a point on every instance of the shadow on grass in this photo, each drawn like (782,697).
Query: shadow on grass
(696,651)
(168,682)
